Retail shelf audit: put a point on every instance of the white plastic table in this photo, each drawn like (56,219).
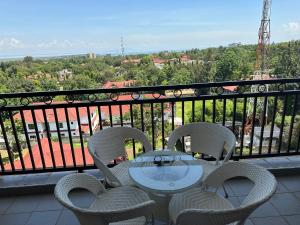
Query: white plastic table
(162,173)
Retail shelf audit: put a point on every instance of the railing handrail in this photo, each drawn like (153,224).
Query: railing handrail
(156,110)
(149,88)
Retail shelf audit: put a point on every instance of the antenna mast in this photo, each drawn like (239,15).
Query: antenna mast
(263,47)
(122,48)
(262,56)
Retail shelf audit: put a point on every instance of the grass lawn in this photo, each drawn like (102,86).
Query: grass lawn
(78,144)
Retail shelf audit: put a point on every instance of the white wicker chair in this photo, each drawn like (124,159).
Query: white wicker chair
(198,207)
(109,144)
(207,138)
(119,206)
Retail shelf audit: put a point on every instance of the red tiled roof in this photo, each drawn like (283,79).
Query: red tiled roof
(230,88)
(184,58)
(67,152)
(118,84)
(159,60)
(85,128)
(50,114)
(115,109)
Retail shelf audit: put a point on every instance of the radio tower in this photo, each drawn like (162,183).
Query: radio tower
(262,56)
(122,48)
(263,47)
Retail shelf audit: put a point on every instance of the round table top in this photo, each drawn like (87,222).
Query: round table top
(165,171)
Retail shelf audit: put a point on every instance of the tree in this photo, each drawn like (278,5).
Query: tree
(228,66)
(182,76)
(28,59)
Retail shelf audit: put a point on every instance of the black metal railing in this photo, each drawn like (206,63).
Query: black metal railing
(48,131)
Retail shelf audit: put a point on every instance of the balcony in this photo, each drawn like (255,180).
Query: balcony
(264,115)
(36,209)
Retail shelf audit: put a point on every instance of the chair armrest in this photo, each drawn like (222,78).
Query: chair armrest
(229,152)
(113,180)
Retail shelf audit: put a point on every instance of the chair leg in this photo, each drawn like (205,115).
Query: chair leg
(225,191)
(153,220)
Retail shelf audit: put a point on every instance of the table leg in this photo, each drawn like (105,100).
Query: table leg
(161,212)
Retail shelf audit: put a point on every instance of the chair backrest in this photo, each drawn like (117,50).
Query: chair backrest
(207,138)
(74,181)
(264,181)
(100,216)
(109,143)
(264,187)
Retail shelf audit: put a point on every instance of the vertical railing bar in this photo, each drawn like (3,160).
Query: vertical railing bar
(203,110)
(88,111)
(8,149)
(182,115)
(121,114)
(173,116)
(38,138)
(19,148)
(224,112)
(282,124)
(49,138)
(59,138)
(162,125)
(142,117)
(27,139)
(272,124)
(298,144)
(80,135)
(243,126)
(132,125)
(182,112)
(214,111)
(233,119)
(292,123)
(234,115)
(70,137)
(253,124)
(1,164)
(262,125)
(142,120)
(110,116)
(152,126)
(100,117)
(193,111)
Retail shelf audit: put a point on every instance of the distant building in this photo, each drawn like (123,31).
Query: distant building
(92,55)
(185,59)
(64,74)
(237,44)
(158,62)
(119,84)
(131,61)
(62,122)
(229,89)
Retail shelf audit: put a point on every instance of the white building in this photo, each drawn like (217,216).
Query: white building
(75,125)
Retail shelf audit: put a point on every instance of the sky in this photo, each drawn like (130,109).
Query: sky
(62,27)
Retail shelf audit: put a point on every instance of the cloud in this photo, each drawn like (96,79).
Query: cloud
(293,27)
(55,44)
(11,43)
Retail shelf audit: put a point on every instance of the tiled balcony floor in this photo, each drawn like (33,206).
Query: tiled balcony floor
(282,209)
